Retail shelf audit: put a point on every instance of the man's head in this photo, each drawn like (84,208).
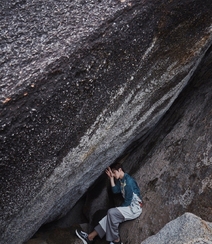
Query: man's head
(117,170)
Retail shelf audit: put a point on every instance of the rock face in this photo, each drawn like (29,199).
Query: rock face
(186,229)
(81,84)
(174,163)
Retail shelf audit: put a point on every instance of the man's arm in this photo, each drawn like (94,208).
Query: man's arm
(115,188)
(109,172)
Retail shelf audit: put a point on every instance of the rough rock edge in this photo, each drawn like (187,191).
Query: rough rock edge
(186,229)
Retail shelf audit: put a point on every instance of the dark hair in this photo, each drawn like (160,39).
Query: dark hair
(116,166)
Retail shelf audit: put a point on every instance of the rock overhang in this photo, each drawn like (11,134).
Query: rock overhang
(76,109)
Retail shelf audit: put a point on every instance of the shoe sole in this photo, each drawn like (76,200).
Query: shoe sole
(84,242)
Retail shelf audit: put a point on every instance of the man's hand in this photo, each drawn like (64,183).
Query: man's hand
(109,172)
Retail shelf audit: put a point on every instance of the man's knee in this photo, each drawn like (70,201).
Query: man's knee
(114,215)
(111,211)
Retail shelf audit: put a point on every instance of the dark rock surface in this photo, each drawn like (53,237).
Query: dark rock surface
(80,83)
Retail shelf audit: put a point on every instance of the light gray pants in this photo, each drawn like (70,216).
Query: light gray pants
(110,223)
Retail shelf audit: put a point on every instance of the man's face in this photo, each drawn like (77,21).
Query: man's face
(116,173)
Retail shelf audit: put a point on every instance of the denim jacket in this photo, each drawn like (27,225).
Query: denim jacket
(128,187)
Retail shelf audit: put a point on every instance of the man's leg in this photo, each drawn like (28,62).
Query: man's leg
(109,225)
(114,218)
(101,227)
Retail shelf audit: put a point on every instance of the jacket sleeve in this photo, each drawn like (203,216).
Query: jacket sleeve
(116,188)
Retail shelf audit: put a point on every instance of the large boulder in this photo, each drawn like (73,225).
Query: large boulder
(80,83)
(186,229)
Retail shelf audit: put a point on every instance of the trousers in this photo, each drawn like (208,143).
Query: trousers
(110,223)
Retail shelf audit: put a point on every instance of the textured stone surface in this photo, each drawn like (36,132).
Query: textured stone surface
(80,82)
(175,164)
(186,229)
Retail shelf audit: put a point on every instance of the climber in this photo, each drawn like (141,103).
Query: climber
(131,207)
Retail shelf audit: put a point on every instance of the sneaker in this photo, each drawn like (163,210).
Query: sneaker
(83,236)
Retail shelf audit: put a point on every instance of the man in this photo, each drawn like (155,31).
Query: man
(130,209)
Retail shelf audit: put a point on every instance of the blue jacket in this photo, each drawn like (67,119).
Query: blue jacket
(127,186)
